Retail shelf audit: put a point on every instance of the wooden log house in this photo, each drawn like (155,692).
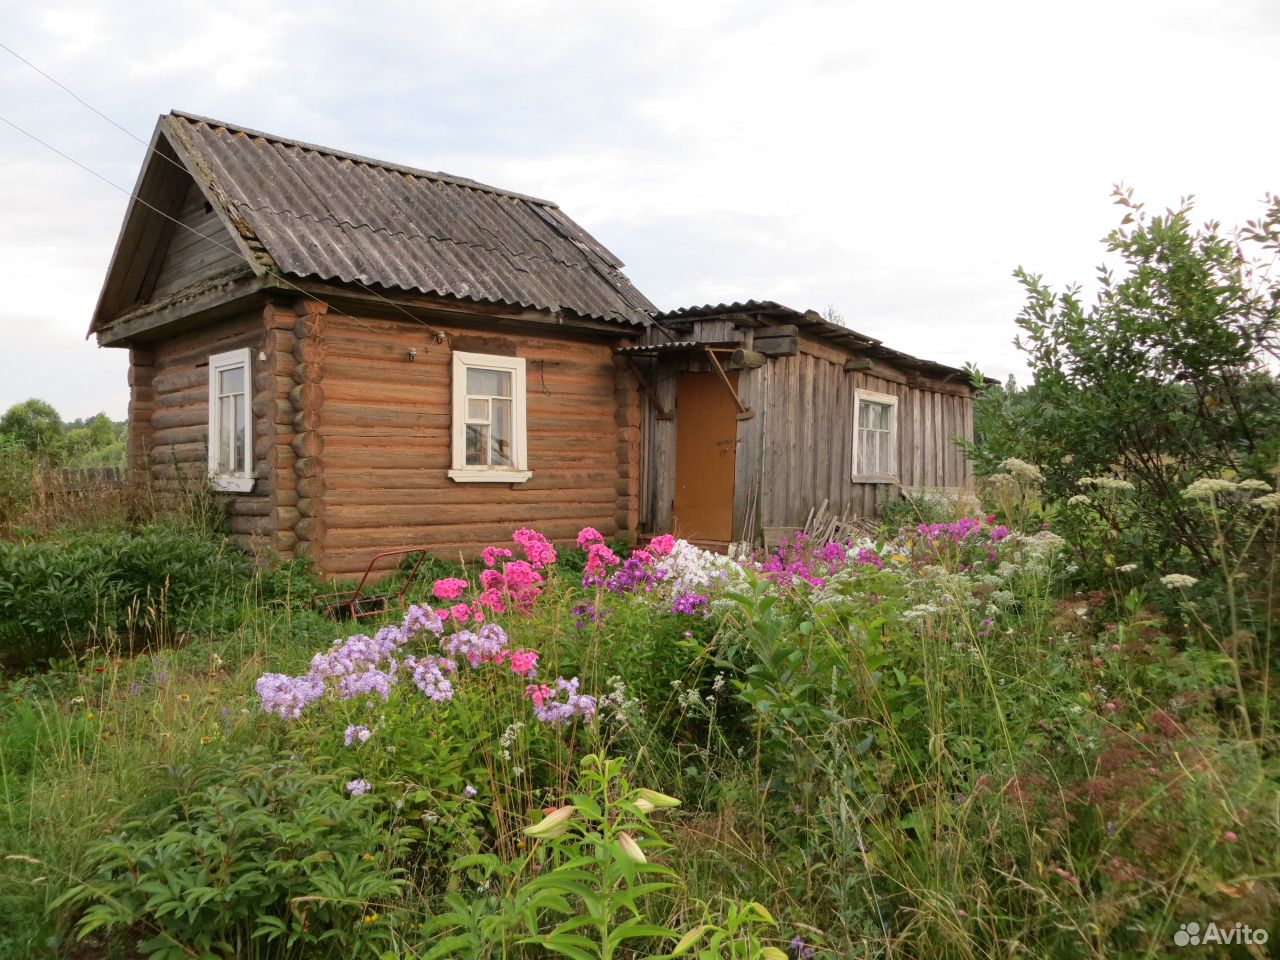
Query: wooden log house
(361,356)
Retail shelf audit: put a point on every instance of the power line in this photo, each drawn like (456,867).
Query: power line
(152,150)
(190,229)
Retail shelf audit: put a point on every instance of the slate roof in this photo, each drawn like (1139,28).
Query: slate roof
(334,216)
(813,323)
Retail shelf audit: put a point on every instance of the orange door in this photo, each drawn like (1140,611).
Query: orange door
(706,451)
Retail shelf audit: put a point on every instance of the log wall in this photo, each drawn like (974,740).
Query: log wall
(169,412)
(371,440)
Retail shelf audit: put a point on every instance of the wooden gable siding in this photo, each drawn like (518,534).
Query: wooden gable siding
(190,257)
(796,451)
(371,471)
(169,419)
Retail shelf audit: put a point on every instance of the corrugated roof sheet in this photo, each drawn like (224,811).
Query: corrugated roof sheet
(337,216)
(812,322)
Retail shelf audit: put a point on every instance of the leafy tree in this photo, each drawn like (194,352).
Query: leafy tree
(34,424)
(1165,378)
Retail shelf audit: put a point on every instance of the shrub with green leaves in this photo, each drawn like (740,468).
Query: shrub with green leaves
(1165,379)
(61,597)
(255,857)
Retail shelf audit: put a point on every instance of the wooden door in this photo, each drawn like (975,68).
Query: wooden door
(706,452)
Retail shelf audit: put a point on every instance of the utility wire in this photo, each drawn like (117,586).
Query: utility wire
(152,150)
(233,251)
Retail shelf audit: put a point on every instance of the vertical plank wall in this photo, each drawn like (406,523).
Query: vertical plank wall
(797,449)
(806,443)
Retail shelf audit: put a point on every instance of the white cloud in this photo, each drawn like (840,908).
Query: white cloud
(895,161)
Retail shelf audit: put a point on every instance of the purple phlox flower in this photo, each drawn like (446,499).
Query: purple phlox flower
(584,613)
(469,791)
(869,557)
(561,704)
(358,788)
(418,618)
(688,604)
(366,682)
(355,733)
(428,676)
(799,949)
(287,696)
(477,647)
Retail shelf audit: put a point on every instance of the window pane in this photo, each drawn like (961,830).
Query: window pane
(477,445)
(884,462)
(239,460)
(478,409)
(864,413)
(231,380)
(865,452)
(226,422)
(501,435)
(488,383)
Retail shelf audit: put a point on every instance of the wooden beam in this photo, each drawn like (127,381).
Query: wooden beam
(663,413)
(744,412)
(205,300)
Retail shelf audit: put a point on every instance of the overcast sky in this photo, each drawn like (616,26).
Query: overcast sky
(894,161)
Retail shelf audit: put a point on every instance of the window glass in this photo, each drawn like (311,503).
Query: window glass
(490,383)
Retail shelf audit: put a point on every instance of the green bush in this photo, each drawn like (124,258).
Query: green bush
(257,858)
(57,598)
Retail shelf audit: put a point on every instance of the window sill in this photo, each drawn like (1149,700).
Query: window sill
(480,475)
(874,478)
(231,484)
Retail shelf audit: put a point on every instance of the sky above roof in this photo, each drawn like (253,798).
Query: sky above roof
(894,162)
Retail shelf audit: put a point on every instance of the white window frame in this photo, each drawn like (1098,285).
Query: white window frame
(242,481)
(891,401)
(519,471)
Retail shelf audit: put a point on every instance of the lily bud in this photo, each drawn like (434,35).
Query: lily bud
(631,848)
(552,825)
(772,953)
(657,799)
(688,940)
(644,806)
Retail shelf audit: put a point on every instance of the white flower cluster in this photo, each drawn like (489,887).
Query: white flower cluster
(1022,470)
(690,569)
(1270,501)
(1178,581)
(1105,483)
(1208,487)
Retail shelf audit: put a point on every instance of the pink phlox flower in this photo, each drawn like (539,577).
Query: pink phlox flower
(538,693)
(491,555)
(587,536)
(449,588)
(524,662)
(461,613)
(662,546)
(600,558)
(536,547)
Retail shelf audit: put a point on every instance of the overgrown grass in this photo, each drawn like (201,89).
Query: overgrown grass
(952,756)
